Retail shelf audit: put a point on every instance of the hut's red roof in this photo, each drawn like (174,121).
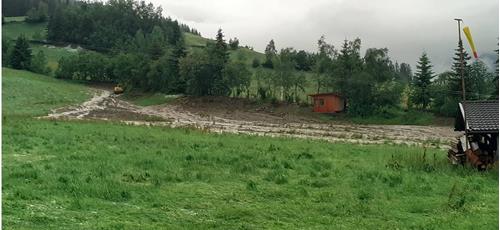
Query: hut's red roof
(325,94)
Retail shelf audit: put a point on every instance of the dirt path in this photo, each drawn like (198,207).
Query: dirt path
(107,106)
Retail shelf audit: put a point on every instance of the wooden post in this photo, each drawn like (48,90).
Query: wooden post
(460,44)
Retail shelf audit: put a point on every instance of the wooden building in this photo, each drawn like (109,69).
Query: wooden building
(328,103)
(479,144)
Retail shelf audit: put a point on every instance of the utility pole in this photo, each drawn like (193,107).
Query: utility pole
(460,46)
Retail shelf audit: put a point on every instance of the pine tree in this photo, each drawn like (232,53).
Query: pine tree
(421,95)
(455,85)
(20,56)
(220,49)
(344,61)
(219,56)
(178,52)
(270,54)
(347,65)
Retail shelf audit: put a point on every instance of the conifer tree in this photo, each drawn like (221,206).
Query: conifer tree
(20,56)
(219,56)
(348,64)
(421,95)
(455,85)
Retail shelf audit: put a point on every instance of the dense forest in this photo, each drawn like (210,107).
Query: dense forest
(143,50)
(112,25)
(12,8)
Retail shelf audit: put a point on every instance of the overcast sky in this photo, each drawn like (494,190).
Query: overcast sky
(406,27)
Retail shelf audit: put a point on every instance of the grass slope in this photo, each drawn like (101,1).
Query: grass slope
(194,41)
(97,175)
(27,94)
(18,27)
(53,54)
(14,29)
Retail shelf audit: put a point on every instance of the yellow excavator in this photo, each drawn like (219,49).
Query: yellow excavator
(118,89)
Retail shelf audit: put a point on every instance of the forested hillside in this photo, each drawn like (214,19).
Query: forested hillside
(116,24)
(143,50)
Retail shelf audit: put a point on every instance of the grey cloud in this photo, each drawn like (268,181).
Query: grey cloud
(406,27)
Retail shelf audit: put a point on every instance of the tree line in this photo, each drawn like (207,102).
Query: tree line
(146,52)
(166,69)
(371,82)
(441,93)
(143,48)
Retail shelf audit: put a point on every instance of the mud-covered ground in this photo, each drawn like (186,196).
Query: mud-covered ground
(233,116)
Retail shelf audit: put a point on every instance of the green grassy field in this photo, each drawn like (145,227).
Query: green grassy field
(193,40)
(53,54)
(18,27)
(100,175)
(15,29)
(25,94)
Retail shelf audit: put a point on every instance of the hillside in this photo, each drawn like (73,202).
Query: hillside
(96,174)
(26,94)
(13,29)
(16,26)
(194,41)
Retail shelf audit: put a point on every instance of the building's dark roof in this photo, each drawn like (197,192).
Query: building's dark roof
(325,94)
(480,117)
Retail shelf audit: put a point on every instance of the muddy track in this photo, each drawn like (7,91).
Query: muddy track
(106,106)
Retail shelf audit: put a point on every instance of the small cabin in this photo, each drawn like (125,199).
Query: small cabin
(328,103)
(479,144)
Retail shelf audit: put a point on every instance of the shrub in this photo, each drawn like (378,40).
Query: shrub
(255,63)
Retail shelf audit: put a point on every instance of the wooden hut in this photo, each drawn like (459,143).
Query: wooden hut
(479,144)
(328,103)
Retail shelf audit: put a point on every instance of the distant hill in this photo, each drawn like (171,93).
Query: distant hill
(16,26)
(194,41)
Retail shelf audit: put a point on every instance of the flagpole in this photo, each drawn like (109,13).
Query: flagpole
(461,57)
